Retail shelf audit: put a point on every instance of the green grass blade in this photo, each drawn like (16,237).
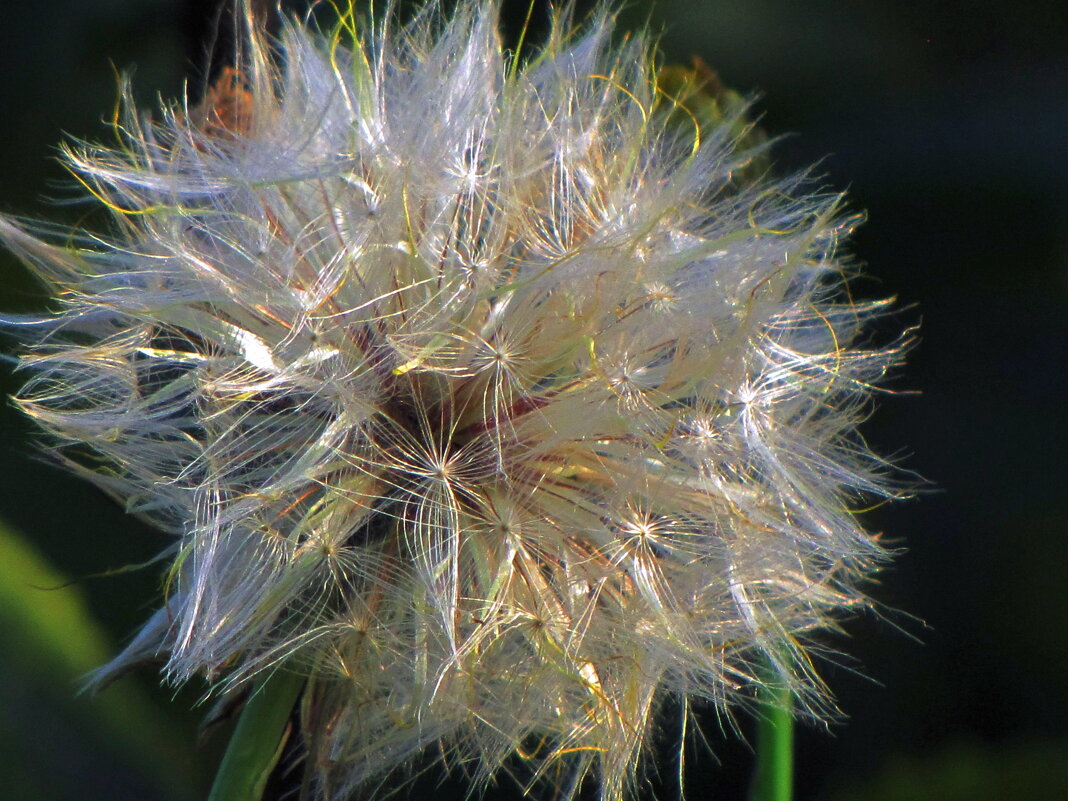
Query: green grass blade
(51,641)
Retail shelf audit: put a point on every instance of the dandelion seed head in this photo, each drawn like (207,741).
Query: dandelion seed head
(475,387)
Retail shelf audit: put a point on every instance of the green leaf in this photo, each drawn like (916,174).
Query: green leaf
(258,739)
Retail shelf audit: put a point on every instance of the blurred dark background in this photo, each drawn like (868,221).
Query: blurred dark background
(947,122)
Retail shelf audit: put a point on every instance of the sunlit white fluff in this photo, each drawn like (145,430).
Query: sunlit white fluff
(471,386)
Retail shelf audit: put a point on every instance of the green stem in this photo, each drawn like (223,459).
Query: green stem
(258,739)
(774,776)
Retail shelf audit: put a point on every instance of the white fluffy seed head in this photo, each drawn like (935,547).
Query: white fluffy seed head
(476,388)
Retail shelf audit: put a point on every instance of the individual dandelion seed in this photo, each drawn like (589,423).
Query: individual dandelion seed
(480,389)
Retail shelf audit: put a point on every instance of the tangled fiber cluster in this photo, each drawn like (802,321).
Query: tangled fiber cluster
(473,386)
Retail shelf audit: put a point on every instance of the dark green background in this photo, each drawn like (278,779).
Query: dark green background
(948,123)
